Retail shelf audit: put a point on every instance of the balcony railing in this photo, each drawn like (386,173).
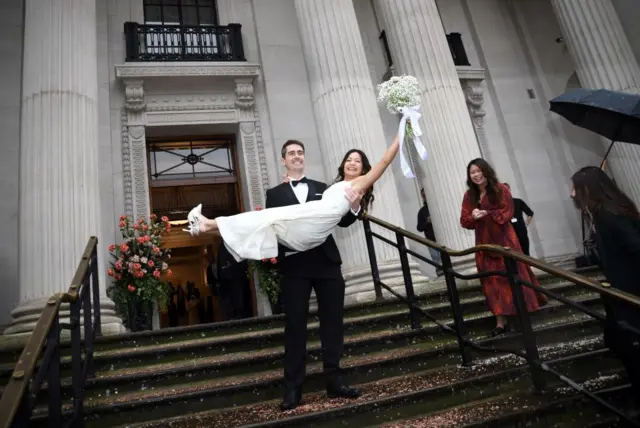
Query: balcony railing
(182,43)
(457,49)
(455,46)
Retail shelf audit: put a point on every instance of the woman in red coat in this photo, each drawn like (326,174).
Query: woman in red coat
(487,208)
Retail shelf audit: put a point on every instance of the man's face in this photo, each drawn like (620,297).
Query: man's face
(294,158)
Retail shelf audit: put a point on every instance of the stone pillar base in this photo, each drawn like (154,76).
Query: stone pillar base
(26,315)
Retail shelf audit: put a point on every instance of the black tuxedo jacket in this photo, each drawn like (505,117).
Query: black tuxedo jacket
(321,261)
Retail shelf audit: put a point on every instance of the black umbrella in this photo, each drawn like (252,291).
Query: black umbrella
(614,115)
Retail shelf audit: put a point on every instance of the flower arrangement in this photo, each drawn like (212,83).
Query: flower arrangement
(401,94)
(268,274)
(138,263)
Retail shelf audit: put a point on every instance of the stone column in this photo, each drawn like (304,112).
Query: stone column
(347,117)
(419,47)
(59,189)
(604,59)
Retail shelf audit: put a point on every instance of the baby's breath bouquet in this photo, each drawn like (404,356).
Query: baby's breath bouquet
(401,94)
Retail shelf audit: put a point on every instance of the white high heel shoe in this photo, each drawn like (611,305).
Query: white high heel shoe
(195,220)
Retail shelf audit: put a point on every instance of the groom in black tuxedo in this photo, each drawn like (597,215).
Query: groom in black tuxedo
(318,268)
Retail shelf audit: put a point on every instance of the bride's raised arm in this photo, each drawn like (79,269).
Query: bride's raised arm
(366,181)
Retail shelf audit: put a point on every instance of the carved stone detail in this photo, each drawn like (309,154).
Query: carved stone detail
(474,96)
(244,95)
(134,95)
(228,106)
(126,164)
(187,70)
(191,117)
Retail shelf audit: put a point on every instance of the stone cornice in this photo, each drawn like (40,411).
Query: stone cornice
(143,70)
(466,72)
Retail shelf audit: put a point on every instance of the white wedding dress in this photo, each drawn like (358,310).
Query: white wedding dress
(255,235)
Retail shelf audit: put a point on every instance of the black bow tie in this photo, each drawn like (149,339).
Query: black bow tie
(294,183)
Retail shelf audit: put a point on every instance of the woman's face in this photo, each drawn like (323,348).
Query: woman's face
(353,166)
(477,175)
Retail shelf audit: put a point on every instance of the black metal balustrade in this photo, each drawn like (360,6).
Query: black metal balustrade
(40,358)
(458,52)
(537,367)
(183,43)
(457,49)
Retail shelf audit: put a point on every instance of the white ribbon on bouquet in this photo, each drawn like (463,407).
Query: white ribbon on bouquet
(413,114)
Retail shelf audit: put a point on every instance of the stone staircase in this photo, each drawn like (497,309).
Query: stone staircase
(230,374)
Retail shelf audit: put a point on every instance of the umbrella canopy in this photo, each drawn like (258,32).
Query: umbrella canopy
(614,115)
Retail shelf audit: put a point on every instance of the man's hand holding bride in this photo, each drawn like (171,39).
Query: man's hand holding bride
(354,199)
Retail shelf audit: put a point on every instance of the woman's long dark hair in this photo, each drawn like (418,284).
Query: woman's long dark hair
(595,191)
(493,189)
(367,198)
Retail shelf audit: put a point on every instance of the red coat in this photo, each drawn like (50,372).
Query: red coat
(495,228)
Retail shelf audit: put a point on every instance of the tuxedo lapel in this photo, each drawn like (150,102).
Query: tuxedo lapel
(312,191)
(288,192)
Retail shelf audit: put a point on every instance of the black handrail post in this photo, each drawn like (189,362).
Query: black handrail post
(131,41)
(95,289)
(237,48)
(88,326)
(373,260)
(528,336)
(414,314)
(454,299)
(54,398)
(77,380)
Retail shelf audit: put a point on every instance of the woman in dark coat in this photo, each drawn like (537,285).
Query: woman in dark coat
(617,228)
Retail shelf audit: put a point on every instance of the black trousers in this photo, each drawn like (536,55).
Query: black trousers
(295,296)
(523,238)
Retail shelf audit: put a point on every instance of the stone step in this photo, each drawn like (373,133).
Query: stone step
(389,399)
(213,390)
(558,407)
(156,370)
(364,332)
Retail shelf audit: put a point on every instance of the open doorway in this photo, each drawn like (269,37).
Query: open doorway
(185,172)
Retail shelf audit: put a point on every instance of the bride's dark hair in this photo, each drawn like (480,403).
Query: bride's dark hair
(368,197)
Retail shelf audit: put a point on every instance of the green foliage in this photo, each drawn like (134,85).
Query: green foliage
(268,275)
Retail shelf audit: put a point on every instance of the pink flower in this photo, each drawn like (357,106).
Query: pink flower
(145,227)
(110,272)
(112,248)
(123,217)
(153,216)
(122,224)
(273,260)
(118,266)
(156,250)
(150,263)
(124,247)
(169,273)
(258,208)
(136,226)
(131,288)
(146,238)
(164,219)
(156,273)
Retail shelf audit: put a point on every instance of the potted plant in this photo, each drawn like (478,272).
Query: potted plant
(138,265)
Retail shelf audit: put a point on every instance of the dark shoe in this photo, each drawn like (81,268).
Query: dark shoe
(498,331)
(291,400)
(342,391)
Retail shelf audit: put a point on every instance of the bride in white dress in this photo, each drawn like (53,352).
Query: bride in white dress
(255,235)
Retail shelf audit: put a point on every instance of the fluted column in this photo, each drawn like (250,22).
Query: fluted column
(347,117)
(604,60)
(59,189)
(419,47)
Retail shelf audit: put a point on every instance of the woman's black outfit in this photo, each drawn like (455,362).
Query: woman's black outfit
(618,243)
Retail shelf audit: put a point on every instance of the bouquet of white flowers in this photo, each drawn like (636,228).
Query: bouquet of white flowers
(401,94)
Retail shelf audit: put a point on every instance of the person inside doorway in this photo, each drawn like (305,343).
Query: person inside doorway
(426,226)
(518,222)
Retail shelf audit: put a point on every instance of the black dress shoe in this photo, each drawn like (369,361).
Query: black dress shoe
(342,391)
(291,399)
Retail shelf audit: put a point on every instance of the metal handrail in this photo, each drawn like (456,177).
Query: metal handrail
(530,354)
(41,355)
(520,257)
